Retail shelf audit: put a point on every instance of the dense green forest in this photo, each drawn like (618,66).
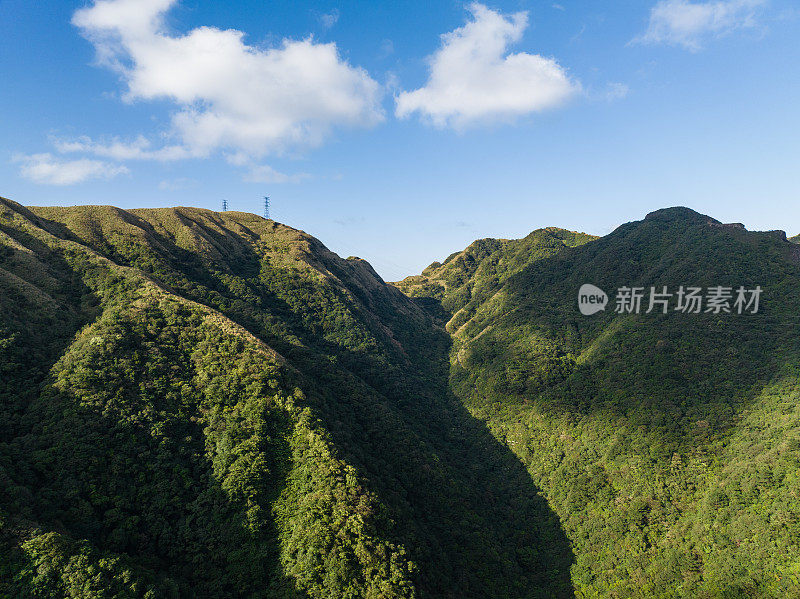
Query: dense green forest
(215,405)
(668,444)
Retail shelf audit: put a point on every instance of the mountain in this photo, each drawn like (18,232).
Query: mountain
(214,404)
(668,444)
(470,277)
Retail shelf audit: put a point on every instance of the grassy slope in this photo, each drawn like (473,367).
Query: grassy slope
(668,445)
(216,402)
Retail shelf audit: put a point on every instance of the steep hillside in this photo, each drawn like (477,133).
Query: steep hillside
(203,404)
(468,278)
(668,444)
(216,405)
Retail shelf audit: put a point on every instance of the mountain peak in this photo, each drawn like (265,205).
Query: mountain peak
(678,213)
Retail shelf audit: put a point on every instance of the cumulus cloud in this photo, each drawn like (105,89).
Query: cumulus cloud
(473,79)
(229,95)
(46,169)
(690,24)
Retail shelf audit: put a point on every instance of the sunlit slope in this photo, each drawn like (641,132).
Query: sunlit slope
(468,278)
(668,444)
(208,404)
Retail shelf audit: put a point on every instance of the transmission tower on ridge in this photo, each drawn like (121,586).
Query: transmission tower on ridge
(266,207)
(224,205)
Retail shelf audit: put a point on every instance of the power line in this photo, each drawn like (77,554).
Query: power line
(224,205)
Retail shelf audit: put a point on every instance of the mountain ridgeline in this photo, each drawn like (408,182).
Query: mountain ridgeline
(215,405)
(668,444)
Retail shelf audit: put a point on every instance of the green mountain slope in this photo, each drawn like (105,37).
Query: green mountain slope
(216,405)
(668,444)
(203,404)
(470,277)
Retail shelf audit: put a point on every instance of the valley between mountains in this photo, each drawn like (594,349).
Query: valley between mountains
(201,404)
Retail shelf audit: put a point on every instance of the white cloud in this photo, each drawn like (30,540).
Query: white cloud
(49,170)
(262,173)
(139,149)
(329,19)
(689,24)
(616,91)
(474,80)
(230,95)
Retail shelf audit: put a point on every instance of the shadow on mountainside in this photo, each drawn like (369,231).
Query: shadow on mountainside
(463,503)
(375,371)
(43,304)
(661,371)
(126,496)
(436,442)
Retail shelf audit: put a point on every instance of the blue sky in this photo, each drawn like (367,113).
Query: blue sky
(400,132)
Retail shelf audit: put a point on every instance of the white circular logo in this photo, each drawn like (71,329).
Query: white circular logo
(591,299)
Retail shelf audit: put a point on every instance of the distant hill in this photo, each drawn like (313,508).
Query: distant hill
(469,277)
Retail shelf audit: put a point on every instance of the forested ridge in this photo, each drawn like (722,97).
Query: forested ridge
(668,444)
(215,405)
